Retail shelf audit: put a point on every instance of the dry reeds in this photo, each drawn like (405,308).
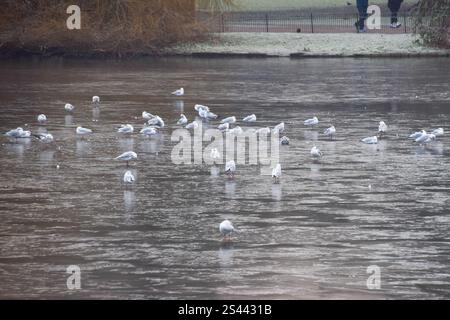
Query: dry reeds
(109,27)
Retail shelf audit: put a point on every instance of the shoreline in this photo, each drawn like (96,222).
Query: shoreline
(266,45)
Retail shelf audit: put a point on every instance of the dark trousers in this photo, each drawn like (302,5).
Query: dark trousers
(394,6)
(362,6)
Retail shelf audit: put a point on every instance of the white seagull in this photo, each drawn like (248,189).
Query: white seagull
(370,140)
(42,118)
(83,131)
(438,132)
(149,131)
(229,120)
(179,92)
(127,156)
(126,128)
(426,138)
(230,168)
(224,126)
(183,120)
(236,131)
(250,118)
(382,128)
(156,121)
(192,125)
(279,128)
(226,229)
(417,134)
(316,153)
(96,100)
(44,137)
(199,107)
(128,177)
(276,173)
(284,141)
(69,108)
(263,131)
(215,155)
(311,122)
(147,115)
(331,131)
(18,133)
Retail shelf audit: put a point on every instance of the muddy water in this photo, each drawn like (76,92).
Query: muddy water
(311,236)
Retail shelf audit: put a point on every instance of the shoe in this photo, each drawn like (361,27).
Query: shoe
(396,25)
(362,31)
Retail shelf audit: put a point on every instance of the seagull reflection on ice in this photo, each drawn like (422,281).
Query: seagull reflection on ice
(225,253)
(95,114)
(129,201)
(277,192)
(46,156)
(126,143)
(82,147)
(68,119)
(230,188)
(153,145)
(179,105)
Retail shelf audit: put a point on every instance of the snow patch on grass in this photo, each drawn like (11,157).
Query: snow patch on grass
(286,44)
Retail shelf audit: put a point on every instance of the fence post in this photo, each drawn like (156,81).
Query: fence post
(312,23)
(267,22)
(404,21)
(222,22)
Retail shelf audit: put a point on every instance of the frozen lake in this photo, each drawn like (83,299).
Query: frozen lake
(311,236)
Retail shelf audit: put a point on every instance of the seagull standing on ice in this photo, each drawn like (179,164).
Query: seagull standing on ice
(179,92)
(42,118)
(311,122)
(192,125)
(147,115)
(96,101)
(18,133)
(156,121)
(382,128)
(83,131)
(425,138)
(44,137)
(230,168)
(224,126)
(438,132)
(279,128)
(370,140)
(126,128)
(316,153)
(183,120)
(149,131)
(330,132)
(128,177)
(215,155)
(127,156)
(199,107)
(69,108)
(226,229)
(250,118)
(284,141)
(276,173)
(229,120)
(417,134)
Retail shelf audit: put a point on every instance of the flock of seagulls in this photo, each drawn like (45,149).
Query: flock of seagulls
(227,124)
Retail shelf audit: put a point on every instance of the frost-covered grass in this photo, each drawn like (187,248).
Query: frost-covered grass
(253,5)
(286,44)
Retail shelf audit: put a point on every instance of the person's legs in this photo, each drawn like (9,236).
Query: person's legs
(394,6)
(362,6)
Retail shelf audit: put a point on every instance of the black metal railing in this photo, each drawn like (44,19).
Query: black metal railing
(299,22)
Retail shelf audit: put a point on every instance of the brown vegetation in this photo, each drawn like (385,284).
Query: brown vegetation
(108,27)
